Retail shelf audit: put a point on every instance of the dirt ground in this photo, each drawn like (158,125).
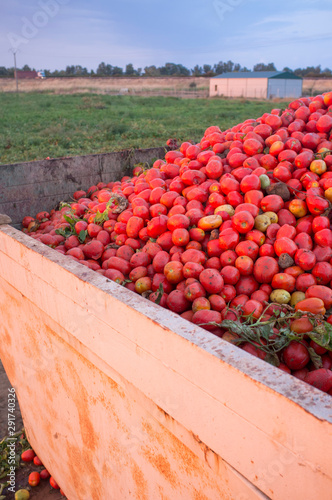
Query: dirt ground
(41,492)
(181,87)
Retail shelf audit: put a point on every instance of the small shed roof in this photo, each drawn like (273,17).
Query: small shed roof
(260,74)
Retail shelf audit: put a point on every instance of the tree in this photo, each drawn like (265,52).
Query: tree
(104,69)
(130,70)
(326,72)
(225,67)
(207,69)
(3,71)
(70,70)
(218,68)
(265,67)
(117,71)
(151,71)
(172,69)
(197,71)
(26,68)
(286,68)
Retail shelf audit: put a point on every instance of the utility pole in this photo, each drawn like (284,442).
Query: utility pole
(14,54)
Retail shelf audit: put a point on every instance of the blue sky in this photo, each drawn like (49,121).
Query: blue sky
(51,34)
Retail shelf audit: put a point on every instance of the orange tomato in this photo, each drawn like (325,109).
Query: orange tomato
(210,222)
(298,208)
(313,305)
(318,167)
(301,325)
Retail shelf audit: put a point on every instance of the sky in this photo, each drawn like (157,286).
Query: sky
(51,34)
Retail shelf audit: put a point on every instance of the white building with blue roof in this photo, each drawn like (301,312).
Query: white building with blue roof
(256,84)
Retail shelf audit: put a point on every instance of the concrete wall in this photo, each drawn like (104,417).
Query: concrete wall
(29,187)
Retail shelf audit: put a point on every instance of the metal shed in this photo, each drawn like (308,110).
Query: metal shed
(259,84)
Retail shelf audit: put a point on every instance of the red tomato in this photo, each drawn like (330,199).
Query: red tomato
(228,239)
(245,265)
(248,248)
(322,271)
(296,355)
(228,258)
(37,461)
(314,305)
(44,474)
(54,484)
(253,308)
(34,478)
(283,281)
(28,456)
(177,302)
(272,203)
(174,272)
(265,268)
(212,280)
(243,222)
(305,259)
(157,226)
(321,292)
(285,245)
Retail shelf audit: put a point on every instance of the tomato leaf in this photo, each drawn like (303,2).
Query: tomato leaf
(65,232)
(272,359)
(315,358)
(322,335)
(265,331)
(70,218)
(160,293)
(82,236)
(101,217)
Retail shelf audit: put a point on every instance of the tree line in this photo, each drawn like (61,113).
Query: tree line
(169,69)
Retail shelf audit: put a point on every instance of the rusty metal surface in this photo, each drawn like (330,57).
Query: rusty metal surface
(29,187)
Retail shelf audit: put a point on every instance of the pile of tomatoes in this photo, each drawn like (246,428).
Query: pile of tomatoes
(232,228)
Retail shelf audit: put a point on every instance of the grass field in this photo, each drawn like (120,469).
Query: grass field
(35,126)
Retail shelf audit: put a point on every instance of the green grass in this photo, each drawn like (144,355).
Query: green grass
(35,126)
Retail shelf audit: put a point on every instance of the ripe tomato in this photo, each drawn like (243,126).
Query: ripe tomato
(245,265)
(265,268)
(321,292)
(44,474)
(28,456)
(313,305)
(283,281)
(34,478)
(228,239)
(54,484)
(272,203)
(177,302)
(212,280)
(253,308)
(174,271)
(296,355)
(243,222)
